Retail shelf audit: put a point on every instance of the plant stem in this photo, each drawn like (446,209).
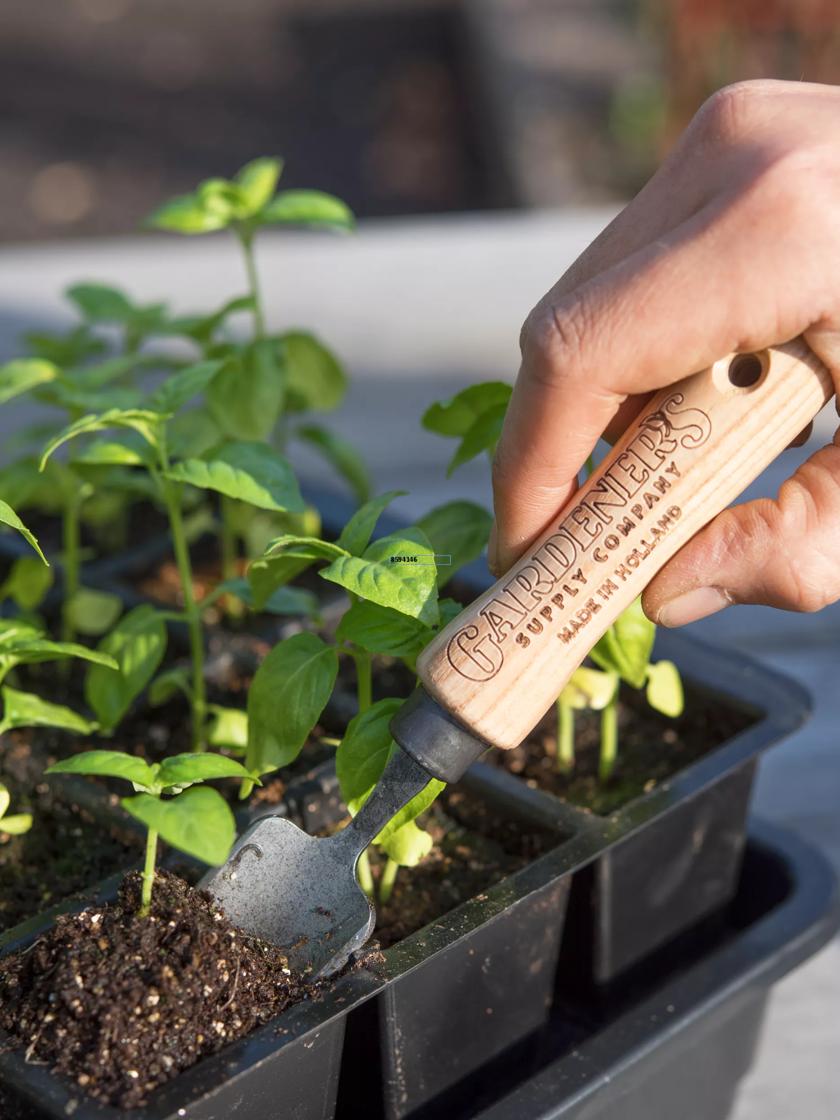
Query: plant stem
(609,738)
(363,874)
(148,876)
(191,610)
(565,736)
(364,678)
(246,240)
(389,877)
(70,544)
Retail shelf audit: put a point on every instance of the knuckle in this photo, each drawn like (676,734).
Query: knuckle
(553,338)
(730,113)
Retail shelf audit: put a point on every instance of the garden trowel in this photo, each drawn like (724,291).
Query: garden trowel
(492,673)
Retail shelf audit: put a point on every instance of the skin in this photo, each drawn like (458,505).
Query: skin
(734,244)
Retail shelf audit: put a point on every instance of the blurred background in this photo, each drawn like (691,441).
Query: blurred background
(416,106)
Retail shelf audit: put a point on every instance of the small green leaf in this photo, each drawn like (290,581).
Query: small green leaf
(191,433)
(10,518)
(5,799)
(27,583)
(482,435)
(267,575)
(198,822)
(92,612)
(146,423)
(664,689)
(364,751)
(187,214)
(356,534)
(16,824)
(397,571)
(187,769)
(284,601)
(456,416)
(22,709)
(137,643)
(202,328)
(340,454)
(248,471)
(289,691)
(315,379)
(459,531)
(168,684)
(381,630)
(626,647)
(228,728)
(99,303)
(182,386)
(65,350)
(307,208)
(22,375)
(108,764)
(304,548)
(31,651)
(128,450)
(589,688)
(408,845)
(257,182)
(246,397)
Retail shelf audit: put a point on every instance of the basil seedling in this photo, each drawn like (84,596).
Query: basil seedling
(12,824)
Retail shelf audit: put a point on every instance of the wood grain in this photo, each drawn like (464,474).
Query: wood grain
(499,666)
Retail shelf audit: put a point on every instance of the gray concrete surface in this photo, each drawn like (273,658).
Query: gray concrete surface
(418,309)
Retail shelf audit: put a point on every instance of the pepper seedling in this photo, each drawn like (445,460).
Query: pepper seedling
(12,824)
(172,802)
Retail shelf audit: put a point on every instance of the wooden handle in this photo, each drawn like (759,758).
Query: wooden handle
(503,661)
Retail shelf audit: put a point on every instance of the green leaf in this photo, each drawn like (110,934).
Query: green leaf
(482,435)
(364,751)
(198,822)
(22,709)
(315,379)
(129,450)
(396,571)
(456,416)
(408,845)
(289,691)
(381,630)
(102,374)
(664,689)
(458,530)
(31,651)
(191,433)
(305,548)
(10,518)
(99,303)
(64,395)
(284,601)
(187,769)
(267,575)
(182,386)
(65,350)
(307,208)
(92,612)
(257,182)
(340,454)
(5,799)
(137,643)
(27,583)
(16,824)
(146,423)
(248,471)
(245,398)
(168,684)
(22,375)
(228,728)
(626,647)
(589,688)
(202,328)
(187,214)
(108,764)
(356,534)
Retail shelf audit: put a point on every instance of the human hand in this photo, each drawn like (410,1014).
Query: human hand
(734,244)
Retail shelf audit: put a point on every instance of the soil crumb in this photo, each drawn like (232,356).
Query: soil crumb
(121,1004)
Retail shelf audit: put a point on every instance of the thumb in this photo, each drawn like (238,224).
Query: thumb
(779,552)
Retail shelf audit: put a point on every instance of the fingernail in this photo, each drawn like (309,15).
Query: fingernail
(693,605)
(492,550)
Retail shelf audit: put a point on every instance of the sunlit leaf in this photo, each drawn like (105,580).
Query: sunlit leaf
(22,375)
(248,471)
(10,518)
(356,534)
(22,709)
(108,764)
(308,208)
(397,571)
(198,822)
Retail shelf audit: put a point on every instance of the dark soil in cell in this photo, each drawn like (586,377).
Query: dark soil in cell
(651,749)
(120,1004)
(65,850)
(475,847)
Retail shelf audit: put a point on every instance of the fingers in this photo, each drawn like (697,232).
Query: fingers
(709,287)
(780,553)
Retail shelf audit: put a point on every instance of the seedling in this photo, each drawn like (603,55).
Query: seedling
(12,824)
(172,802)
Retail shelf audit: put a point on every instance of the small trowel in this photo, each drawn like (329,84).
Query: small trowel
(491,674)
